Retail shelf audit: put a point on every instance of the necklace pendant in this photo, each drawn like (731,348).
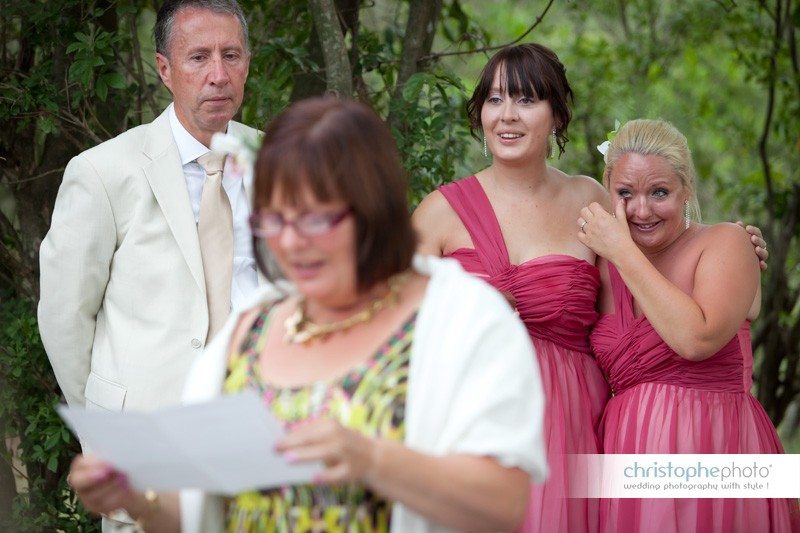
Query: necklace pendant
(301,330)
(299,337)
(293,325)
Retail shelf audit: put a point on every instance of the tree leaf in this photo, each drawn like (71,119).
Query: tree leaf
(115,80)
(101,89)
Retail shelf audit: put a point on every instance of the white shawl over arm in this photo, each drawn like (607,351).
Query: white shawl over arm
(474,385)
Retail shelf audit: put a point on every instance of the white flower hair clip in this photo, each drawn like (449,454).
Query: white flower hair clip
(603,148)
(605,145)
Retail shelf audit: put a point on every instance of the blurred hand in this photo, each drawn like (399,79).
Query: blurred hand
(347,454)
(100,487)
(758,241)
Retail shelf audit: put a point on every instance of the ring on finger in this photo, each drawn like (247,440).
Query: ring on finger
(583,224)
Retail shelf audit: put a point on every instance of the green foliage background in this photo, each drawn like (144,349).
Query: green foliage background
(76,72)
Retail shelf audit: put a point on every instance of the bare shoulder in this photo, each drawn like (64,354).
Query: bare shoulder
(593,189)
(725,235)
(726,245)
(433,205)
(433,219)
(433,211)
(587,190)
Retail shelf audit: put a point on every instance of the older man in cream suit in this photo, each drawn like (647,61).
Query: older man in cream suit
(131,291)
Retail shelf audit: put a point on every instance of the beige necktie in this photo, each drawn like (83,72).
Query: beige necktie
(215,230)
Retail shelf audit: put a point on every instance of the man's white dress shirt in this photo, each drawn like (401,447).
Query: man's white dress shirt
(244,280)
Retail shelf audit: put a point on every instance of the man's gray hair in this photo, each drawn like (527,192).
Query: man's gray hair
(165,20)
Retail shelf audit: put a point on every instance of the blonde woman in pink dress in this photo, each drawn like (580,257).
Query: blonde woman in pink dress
(673,338)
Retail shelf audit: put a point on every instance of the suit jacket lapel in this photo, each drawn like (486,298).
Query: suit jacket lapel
(164,172)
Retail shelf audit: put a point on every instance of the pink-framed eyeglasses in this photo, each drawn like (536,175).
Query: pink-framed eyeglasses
(271,224)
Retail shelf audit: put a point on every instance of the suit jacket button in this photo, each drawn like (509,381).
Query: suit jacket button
(196,343)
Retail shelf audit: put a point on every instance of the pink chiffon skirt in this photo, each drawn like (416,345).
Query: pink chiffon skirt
(664,418)
(575,392)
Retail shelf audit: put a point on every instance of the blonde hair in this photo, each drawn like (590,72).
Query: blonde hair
(662,139)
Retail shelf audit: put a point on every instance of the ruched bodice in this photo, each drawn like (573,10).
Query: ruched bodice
(555,294)
(630,352)
(555,297)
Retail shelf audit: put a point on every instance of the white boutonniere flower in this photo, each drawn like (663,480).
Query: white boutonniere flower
(243,151)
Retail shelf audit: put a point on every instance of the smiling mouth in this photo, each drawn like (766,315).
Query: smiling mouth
(509,135)
(646,227)
(303,269)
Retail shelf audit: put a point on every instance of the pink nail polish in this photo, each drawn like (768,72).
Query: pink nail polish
(290,457)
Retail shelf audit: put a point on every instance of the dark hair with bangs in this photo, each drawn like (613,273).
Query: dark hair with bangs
(533,71)
(340,150)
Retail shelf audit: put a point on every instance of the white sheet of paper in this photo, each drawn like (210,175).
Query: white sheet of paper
(225,446)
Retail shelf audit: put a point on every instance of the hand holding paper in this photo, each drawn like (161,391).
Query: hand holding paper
(226,446)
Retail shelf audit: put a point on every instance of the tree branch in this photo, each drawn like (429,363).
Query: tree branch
(36,177)
(137,61)
(337,66)
(790,37)
(492,48)
(764,138)
(417,42)
(623,17)
(418,38)
(8,232)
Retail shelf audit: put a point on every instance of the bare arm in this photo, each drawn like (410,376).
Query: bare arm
(427,220)
(451,490)
(75,259)
(695,325)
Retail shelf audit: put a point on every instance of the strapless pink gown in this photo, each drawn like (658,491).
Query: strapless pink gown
(666,404)
(555,297)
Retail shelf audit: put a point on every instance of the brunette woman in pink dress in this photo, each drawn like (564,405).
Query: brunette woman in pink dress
(506,224)
(677,298)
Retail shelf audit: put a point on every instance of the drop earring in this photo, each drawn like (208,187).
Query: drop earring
(686,218)
(550,142)
(485,149)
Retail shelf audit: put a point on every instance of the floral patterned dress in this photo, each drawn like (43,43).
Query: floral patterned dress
(370,398)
